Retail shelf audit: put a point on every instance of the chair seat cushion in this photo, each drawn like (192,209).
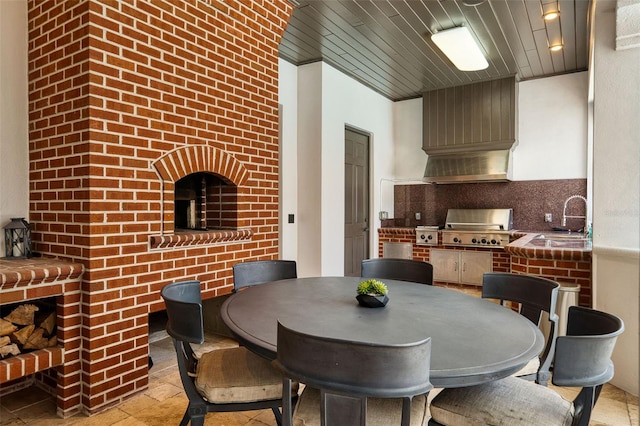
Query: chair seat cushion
(510,401)
(238,375)
(380,411)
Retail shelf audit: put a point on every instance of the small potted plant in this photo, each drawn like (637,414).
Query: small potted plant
(372,293)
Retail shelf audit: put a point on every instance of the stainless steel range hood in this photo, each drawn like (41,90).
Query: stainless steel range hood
(472,166)
(470,131)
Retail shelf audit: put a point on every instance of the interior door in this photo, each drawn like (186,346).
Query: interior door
(356,203)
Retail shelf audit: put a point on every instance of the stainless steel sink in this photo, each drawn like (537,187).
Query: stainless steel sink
(575,241)
(562,236)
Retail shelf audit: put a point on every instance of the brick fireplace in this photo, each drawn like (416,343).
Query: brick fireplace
(126,98)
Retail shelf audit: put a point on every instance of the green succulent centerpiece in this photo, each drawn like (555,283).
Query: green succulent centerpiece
(372,287)
(372,293)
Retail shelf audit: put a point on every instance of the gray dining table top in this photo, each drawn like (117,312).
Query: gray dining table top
(472,340)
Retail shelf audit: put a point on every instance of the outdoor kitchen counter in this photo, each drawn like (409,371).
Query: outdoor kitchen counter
(529,245)
(523,244)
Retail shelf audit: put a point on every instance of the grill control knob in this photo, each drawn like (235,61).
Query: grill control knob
(494,242)
(474,241)
(430,237)
(484,241)
(456,240)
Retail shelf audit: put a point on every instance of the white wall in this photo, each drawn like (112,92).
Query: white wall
(327,102)
(551,138)
(14,142)
(288,99)
(552,128)
(616,189)
(409,160)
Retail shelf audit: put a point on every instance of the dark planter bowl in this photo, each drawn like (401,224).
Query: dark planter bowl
(372,301)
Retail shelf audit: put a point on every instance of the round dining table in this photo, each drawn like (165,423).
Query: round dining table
(472,340)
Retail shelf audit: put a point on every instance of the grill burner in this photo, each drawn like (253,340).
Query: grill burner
(477,227)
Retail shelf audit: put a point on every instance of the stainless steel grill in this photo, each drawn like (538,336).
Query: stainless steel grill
(477,227)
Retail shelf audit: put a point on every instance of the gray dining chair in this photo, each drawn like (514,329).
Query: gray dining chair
(582,359)
(354,383)
(398,269)
(230,379)
(254,272)
(533,295)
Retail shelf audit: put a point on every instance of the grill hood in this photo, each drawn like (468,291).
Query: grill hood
(471,166)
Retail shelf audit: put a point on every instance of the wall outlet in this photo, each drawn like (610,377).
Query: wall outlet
(548,217)
(418,216)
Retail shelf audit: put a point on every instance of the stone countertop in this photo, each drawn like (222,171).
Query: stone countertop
(17,271)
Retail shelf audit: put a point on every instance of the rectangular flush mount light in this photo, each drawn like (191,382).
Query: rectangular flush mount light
(461,49)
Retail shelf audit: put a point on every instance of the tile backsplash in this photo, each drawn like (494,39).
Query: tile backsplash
(530,200)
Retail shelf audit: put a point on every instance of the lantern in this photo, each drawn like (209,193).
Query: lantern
(17,238)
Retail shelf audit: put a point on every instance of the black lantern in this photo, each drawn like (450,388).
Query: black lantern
(17,238)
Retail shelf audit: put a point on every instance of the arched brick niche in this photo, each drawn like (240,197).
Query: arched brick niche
(202,195)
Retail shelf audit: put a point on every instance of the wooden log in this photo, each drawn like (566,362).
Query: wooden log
(7,350)
(4,340)
(36,340)
(49,323)
(22,315)
(21,336)
(6,327)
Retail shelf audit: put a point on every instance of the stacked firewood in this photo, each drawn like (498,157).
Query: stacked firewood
(27,328)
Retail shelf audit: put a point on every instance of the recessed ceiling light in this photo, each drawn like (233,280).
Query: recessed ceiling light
(473,2)
(461,48)
(551,15)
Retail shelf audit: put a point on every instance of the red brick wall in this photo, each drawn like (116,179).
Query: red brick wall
(113,87)
(563,271)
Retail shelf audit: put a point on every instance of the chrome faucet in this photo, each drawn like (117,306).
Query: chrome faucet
(564,211)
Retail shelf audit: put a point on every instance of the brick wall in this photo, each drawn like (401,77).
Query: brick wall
(561,270)
(115,87)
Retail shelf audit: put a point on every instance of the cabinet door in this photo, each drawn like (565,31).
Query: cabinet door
(474,265)
(445,265)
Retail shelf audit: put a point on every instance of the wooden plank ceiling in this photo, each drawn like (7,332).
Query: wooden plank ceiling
(386,45)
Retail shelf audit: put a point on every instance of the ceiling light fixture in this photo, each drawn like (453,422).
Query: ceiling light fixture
(461,48)
(556,47)
(551,15)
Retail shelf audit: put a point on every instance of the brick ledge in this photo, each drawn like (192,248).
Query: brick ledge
(199,238)
(17,366)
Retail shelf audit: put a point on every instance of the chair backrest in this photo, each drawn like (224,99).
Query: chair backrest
(534,294)
(184,311)
(583,356)
(340,367)
(262,271)
(398,269)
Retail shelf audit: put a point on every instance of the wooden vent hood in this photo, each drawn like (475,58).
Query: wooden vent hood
(469,132)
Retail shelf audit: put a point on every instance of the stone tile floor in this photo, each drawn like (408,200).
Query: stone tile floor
(164,402)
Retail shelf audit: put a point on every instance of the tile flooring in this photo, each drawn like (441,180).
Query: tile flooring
(164,402)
